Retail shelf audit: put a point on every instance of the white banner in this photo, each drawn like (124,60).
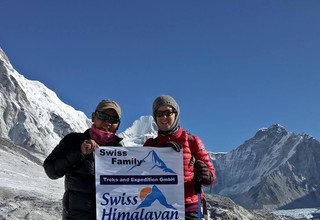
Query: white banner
(139,183)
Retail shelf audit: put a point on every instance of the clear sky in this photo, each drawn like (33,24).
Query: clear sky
(233,66)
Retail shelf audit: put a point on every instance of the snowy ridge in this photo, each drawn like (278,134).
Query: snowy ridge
(5,60)
(139,132)
(270,171)
(37,93)
(34,117)
(256,165)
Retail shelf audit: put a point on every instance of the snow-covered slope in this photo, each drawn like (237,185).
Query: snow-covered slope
(139,132)
(32,115)
(273,169)
(33,120)
(26,192)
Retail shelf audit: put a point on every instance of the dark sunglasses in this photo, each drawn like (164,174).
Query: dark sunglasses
(106,117)
(166,113)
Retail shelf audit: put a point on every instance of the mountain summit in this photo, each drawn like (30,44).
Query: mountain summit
(273,169)
(139,132)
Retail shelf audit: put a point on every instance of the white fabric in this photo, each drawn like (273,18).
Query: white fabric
(139,183)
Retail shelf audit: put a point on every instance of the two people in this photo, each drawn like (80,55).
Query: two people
(73,156)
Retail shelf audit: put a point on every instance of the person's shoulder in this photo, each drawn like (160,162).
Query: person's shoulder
(193,139)
(118,141)
(149,142)
(74,136)
(191,136)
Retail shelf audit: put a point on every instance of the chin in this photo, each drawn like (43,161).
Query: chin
(165,129)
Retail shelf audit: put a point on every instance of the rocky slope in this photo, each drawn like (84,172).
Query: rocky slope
(274,169)
(32,116)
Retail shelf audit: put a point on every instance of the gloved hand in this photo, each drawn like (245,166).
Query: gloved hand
(202,173)
(176,146)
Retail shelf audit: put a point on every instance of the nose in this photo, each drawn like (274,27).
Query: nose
(107,123)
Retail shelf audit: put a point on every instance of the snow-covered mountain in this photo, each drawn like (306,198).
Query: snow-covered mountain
(139,132)
(33,120)
(32,116)
(273,169)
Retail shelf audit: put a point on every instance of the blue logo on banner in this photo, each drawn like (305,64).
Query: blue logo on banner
(152,157)
(150,195)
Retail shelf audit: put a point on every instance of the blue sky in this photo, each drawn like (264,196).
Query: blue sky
(233,66)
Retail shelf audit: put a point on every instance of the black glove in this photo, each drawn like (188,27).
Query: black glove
(202,173)
(176,146)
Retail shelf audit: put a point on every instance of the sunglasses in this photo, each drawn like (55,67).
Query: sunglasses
(164,113)
(106,117)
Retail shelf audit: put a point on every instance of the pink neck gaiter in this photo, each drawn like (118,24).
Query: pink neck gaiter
(102,137)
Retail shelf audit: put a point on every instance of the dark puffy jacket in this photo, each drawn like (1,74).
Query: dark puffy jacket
(79,171)
(192,147)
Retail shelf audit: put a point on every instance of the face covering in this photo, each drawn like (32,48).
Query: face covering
(101,137)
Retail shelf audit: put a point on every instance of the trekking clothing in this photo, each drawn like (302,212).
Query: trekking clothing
(202,172)
(169,101)
(191,216)
(67,160)
(107,103)
(193,149)
(176,146)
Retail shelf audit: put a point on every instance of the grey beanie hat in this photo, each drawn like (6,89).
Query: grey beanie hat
(167,100)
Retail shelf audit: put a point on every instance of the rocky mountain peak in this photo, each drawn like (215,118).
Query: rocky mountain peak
(4,59)
(32,115)
(139,132)
(275,130)
(273,159)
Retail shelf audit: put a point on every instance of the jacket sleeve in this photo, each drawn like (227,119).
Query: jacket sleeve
(65,155)
(148,142)
(202,154)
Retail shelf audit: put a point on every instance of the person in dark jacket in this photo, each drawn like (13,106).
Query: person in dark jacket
(73,158)
(198,168)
